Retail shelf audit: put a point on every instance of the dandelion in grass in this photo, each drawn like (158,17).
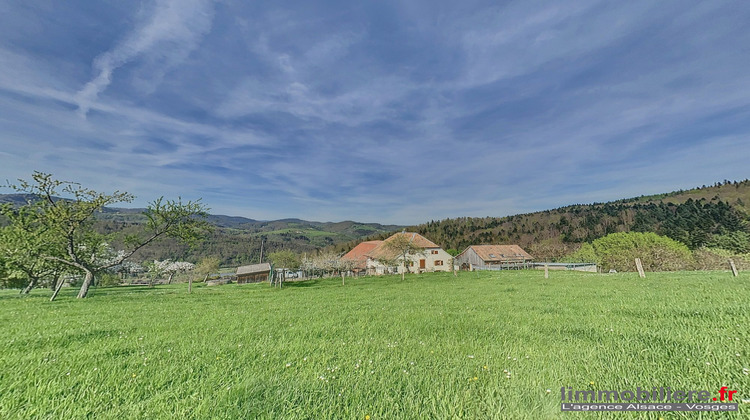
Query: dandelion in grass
(548,391)
(592,383)
(288,365)
(367,417)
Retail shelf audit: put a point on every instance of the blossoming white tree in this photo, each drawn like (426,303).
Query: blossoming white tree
(74,241)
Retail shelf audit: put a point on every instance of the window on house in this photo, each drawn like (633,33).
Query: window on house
(434,252)
(438,262)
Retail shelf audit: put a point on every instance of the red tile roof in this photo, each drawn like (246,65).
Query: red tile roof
(415,238)
(361,252)
(381,251)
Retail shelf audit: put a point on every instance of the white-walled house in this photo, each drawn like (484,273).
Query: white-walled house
(432,258)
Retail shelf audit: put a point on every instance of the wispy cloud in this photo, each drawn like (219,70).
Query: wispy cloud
(164,38)
(378,111)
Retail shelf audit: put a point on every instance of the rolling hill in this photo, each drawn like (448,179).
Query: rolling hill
(236,240)
(708,215)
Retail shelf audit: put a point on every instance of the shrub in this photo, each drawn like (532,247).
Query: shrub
(619,250)
(107,279)
(585,253)
(718,259)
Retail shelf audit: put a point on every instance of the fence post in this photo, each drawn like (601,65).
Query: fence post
(546,271)
(734,268)
(639,266)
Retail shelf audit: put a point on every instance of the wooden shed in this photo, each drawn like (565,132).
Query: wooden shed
(493,257)
(253,273)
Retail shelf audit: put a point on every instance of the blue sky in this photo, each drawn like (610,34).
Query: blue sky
(392,112)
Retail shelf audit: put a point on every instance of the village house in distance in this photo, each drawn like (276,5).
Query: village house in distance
(374,257)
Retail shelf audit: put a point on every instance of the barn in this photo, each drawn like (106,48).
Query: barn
(494,257)
(253,273)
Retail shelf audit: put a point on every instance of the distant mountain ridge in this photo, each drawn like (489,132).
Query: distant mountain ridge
(236,239)
(125,214)
(715,214)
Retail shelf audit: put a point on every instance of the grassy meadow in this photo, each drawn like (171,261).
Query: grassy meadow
(483,345)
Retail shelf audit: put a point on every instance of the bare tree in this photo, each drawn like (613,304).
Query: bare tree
(285,260)
(205,267)
(403,246)
(345,265)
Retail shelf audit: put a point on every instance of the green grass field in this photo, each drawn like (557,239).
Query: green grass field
(483,345)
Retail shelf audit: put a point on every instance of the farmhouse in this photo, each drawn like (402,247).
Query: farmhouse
(359,255)
(381,260)
(253,273)
(493,257)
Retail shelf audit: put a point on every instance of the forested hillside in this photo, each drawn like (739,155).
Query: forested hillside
(708,215)
(715,215)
